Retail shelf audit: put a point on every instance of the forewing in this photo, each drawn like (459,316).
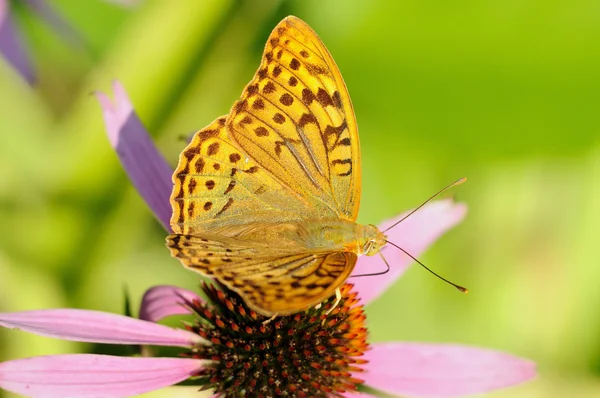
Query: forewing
(216,184)
(296,120)
(270,282)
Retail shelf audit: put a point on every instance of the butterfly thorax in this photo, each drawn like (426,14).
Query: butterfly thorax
(342,235)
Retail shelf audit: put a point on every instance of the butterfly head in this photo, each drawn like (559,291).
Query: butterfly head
(372,240)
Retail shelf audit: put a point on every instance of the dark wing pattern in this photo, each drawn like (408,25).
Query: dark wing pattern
(216,184)
(270,282)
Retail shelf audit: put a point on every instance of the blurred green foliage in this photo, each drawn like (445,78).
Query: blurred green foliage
(503,92)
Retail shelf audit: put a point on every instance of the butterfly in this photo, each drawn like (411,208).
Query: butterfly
(265,199)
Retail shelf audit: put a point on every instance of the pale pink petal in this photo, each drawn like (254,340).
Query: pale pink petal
(414,235)
(11,45)
(96,327)
(440,370)
(87,376)
(163,301)
(146,167)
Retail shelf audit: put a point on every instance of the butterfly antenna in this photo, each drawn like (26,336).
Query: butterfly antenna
(462,289)
(377,273)
(455,183)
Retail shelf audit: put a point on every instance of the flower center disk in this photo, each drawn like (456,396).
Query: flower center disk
(310,354)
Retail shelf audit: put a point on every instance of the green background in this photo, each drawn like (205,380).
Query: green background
(505,93)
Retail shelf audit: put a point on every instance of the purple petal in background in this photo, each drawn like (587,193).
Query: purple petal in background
(85,375)
(163,301)
(414,235)
(96,327)
(11,46)
(441,370)
(143,163)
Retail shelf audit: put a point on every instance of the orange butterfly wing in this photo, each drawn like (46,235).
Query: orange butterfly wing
(296,120)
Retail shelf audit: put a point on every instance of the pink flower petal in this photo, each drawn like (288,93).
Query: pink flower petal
(439,370)
(11,45)
(163,301)
(143,163)
(84,375)
(414,235)
(96,327)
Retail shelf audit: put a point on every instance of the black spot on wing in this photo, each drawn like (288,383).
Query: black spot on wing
(342,162)
(225,207)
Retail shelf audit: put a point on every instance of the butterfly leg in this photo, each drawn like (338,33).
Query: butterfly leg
(338,298)
(270,319)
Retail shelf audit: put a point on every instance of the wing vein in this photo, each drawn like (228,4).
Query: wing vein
(298,130)
(305,46)
(242,133)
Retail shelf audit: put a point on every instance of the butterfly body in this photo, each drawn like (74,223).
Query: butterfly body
(265,199)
